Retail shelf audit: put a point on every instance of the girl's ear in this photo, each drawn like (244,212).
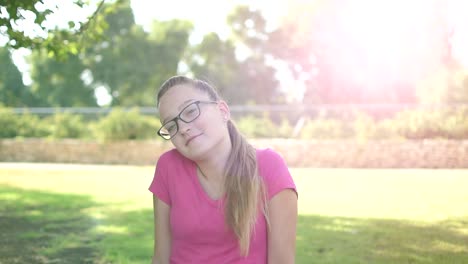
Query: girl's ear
(224,110)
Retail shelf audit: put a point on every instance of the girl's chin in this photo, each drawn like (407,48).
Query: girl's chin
(192,151)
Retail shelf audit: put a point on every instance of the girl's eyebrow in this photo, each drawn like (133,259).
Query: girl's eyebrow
(184,104)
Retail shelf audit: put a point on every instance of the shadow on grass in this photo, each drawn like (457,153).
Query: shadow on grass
(128,237)
(322,239)
(42,227)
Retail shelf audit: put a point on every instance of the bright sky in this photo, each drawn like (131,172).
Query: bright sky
(207,15)
(391,35)
(382,31)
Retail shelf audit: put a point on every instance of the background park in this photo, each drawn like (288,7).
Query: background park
(367,101)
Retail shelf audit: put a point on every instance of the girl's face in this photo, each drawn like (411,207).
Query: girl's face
(203,135)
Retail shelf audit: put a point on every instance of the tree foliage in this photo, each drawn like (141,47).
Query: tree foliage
(23,24)
(214,60)
(109,50)
(59,83)
(12,89)
(448,85)
(239,79)
(130,62)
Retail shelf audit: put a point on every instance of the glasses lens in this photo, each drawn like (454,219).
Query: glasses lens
(168,130)
(190,113)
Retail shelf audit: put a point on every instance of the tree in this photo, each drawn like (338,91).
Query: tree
(130,62)
(58,41)
(169,42)
(12,89)
(448,85)
(239,79)
(59,83)
(215,61)
(249,29)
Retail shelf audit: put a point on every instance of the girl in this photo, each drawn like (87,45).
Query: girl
(216,198)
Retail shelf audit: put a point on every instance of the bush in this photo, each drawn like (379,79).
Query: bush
(124,125)
(66,125)
(326,129)
(255,127)
(364,126)
(22,125)
(435,124)
(455,124)
(31,126)
(8,123)
(285,129)
(385,129)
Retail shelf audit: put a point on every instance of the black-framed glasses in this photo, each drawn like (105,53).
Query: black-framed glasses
(187,115)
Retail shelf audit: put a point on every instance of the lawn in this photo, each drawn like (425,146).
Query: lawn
(103,214)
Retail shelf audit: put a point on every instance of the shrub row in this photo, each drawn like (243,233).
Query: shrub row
(409,124)
(118,125)
(124,125)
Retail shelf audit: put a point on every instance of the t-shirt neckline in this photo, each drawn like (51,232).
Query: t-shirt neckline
(214,202)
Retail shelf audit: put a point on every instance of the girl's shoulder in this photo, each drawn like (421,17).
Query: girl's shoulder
(267,155)
(274,171)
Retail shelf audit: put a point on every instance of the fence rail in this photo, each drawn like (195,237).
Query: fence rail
(242,109)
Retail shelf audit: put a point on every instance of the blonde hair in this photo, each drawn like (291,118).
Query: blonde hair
(245,189)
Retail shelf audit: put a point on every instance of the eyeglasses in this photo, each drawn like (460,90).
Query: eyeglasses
(187,115)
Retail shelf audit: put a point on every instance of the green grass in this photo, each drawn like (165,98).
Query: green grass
(103,214)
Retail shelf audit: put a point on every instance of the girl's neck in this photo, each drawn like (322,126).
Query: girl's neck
(212,167)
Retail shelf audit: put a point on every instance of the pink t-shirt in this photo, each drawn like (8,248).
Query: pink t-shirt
(198,228)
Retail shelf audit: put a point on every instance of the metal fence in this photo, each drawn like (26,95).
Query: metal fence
(325,110)
(246,109)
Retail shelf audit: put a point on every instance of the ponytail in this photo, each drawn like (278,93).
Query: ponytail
(245,190)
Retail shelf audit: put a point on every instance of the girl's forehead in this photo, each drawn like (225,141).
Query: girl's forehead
(181,91)
(178,97)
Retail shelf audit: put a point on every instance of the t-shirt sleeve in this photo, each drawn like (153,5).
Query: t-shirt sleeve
(160,184)
(275,173)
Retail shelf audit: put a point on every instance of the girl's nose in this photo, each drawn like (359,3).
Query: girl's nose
(183,127)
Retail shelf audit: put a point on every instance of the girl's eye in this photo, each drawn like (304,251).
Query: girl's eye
(171,128)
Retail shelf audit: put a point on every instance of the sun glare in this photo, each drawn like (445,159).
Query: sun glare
(387,40)
(377,45)
(458,21)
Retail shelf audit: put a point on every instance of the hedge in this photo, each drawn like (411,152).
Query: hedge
(123,125)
